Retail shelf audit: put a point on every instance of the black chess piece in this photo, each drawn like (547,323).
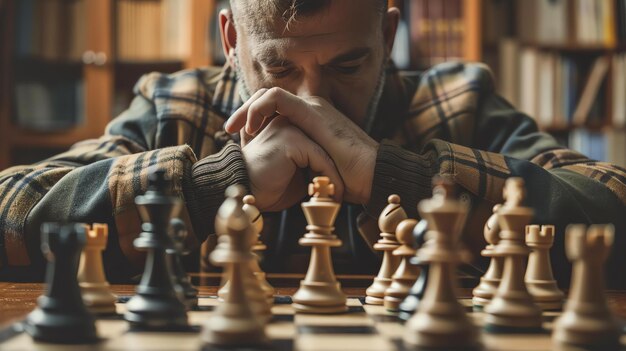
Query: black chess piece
(411,302)
(156,305)
(61,316)
(182,283)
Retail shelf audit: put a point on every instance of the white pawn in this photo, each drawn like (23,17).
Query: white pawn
(94,287)
(234,323)
(587,321)
(257,223)
(490,281)
(388,220)
(407,273)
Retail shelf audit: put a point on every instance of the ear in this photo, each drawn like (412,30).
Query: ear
(390,25)
(228,34)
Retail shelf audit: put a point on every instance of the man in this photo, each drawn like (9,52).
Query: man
(310,90)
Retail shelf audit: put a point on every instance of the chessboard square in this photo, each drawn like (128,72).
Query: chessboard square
(466,302)
(386,318)
(108,329)
(208,301)
(277,318)
(153,341)
(353,302)
(282,300)
(281,330)
(120,308)
(517,342)
(283,309)
(342,342)
(333,320)
(356,309)
(23,342)
(378,310)
(198,317)
(390,330)
(343,329)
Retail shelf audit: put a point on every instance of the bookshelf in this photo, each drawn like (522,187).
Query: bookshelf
(438,31)
(98,66)
(107,72)
(564,63)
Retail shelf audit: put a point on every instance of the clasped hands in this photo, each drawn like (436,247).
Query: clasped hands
(284,134)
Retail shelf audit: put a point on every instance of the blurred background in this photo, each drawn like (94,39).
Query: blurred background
(67,67)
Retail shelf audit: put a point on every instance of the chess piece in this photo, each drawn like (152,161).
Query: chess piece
(320,292)
(586,321)
(61,316)
(512,309)
(182,284)
(406,274)
(388,220)
(440,323)
(416,294)
(234,323)
(222,241)
(156,305)
(539,278)
(490,281)
(94,287)
(257,224)
(260,305)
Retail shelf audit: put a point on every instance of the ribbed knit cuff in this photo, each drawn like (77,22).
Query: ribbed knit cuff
(204,187)
(402,172)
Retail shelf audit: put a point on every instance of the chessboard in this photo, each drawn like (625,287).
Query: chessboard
(363,327)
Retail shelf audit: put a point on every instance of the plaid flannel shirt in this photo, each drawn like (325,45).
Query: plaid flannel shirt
(447,120)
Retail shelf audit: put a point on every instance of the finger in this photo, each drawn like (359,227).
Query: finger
(309,154)
(238,119)
(277,101)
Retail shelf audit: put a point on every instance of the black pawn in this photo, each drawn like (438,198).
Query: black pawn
(182,284)
(156,305)
(412,301)
(61,316)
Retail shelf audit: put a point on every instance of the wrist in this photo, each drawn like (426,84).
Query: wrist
(367,173)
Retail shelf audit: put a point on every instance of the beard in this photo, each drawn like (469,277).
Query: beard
(372,106)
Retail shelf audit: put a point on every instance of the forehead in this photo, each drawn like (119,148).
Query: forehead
(340,25)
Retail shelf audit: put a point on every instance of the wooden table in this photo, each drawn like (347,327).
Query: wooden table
(17,299)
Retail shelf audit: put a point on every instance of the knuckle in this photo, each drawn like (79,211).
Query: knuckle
(274,92)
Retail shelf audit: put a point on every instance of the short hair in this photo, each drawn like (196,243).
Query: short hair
(265,12)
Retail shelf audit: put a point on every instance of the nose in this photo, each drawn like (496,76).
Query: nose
(314,84)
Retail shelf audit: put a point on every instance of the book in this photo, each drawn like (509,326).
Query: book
(552,18)
(528,81)
(591,91)
(509,77)
(602,146)
(619,91)
(153,30)
(546,89)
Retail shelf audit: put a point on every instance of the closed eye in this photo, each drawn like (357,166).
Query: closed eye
(347,69)
(279,73)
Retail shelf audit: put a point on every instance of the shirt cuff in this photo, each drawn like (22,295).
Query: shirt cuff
(402,172)
(206,182)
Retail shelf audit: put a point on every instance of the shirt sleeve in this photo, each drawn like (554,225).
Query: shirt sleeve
(97,181)
(562,186)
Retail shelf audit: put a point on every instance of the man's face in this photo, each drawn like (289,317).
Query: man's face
(338,53)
